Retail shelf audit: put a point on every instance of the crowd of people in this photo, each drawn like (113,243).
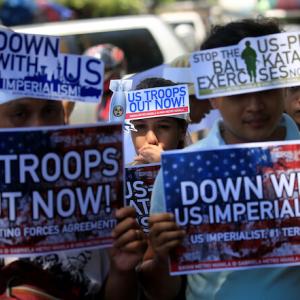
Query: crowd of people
(136,266)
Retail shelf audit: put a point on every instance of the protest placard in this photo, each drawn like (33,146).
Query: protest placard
(240,206)
(31,66)
(24,54)
(70,77)
(157,102)
(15,45)
(254,64)
(59,188)
(139,185)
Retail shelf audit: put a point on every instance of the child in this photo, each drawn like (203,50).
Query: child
(154,135)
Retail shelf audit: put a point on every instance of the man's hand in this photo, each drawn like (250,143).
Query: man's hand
(130,243)
(165,234)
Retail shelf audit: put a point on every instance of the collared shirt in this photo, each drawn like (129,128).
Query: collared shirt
(254,284)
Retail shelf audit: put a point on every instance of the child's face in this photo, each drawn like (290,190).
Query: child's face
(28,112)
(251,117)
(292,103)
(163,131)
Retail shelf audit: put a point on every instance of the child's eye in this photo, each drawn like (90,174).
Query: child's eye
(164,126)
(139,126)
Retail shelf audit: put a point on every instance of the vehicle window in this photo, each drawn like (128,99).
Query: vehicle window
(140,48)
(174,24)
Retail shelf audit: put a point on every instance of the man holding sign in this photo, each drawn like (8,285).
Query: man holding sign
(250,116)
(76,274)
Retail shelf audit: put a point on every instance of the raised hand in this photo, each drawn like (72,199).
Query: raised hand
(130,243)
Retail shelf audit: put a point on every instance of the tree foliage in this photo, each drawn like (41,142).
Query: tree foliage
(103,8)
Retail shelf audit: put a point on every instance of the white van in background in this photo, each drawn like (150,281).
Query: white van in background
(188,26)
(146,40)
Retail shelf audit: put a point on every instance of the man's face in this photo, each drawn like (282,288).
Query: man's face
(251,117)
(28,112)
(292,103)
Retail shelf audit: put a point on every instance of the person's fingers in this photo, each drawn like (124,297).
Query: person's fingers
(140,159)
(145,265)
(127,237)
(150,147)
(163,227)
(166,237)
(131,235)
(162,222)
(164,233)
(136,247)
(165,249)
(152,157)
(125,212)
(148,156)
(162,240)
(160,146)
(124,226)
(160,217)
(151,150)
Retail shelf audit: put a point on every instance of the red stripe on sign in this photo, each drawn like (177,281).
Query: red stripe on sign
(156,113)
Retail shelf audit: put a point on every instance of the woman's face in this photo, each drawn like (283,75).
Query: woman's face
(165,132)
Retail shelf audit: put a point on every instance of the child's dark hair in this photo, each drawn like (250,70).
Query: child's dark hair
(153,82)
(231,33)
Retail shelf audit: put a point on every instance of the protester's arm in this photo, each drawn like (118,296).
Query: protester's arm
(127,252)
(154,273)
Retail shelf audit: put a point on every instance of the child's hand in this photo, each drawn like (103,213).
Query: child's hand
(130,243)
(165,234)
(149,154)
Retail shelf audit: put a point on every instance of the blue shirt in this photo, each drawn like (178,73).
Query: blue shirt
(253,284)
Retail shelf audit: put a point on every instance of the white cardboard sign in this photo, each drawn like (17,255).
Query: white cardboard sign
(255,64)
(157,102)
(31,66)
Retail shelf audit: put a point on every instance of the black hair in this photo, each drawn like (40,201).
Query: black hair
(153,82)
(231,33)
